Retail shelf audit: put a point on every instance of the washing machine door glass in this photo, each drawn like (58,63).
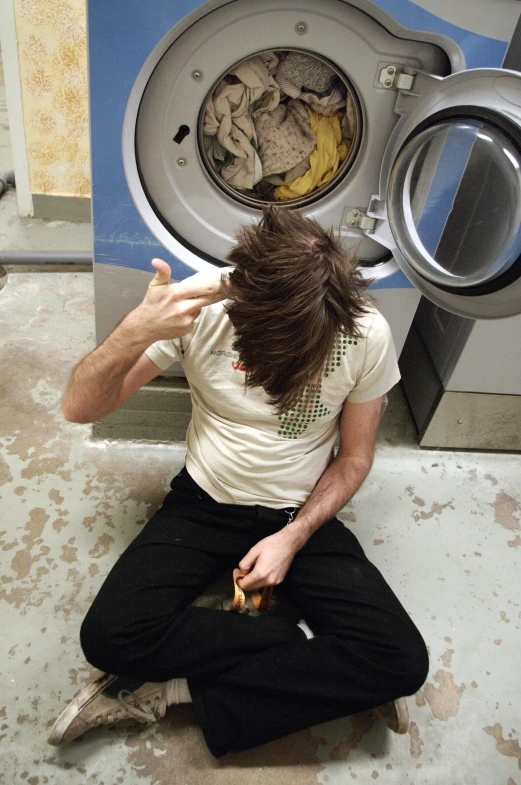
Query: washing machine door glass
(453,192)
(455,204)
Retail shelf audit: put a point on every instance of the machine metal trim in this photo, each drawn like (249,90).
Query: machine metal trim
(475,421)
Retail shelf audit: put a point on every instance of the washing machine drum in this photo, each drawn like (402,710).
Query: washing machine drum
(258,141)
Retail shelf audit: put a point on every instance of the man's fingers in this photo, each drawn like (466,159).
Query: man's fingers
(198,303)
(248,561)
(199,285)
(162,275)
(250,582)
(199,289)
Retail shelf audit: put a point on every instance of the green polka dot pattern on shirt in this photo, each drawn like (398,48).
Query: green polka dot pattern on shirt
(309,408)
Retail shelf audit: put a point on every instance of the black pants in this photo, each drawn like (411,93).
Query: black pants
(252,678)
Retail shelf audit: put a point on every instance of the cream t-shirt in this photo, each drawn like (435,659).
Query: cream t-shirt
(238,449)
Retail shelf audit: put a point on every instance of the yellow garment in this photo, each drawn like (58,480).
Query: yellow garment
(324,161)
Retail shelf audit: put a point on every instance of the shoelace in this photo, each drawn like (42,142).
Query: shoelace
(142,711)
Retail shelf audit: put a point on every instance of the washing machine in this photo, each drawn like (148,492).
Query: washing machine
(426,96)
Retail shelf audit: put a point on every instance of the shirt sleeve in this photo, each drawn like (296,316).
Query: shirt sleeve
(379,371)
(164,353)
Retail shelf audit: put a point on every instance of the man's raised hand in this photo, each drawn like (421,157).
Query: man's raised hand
(169,310)
(163,272)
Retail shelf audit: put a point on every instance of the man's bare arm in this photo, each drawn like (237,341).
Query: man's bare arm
(111,373)
(346,473)
(104,379)
(269,560)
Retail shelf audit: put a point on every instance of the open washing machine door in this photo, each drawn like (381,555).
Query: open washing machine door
(449,204)
(188,205)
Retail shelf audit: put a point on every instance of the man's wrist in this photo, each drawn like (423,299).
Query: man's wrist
(137,331)
(296,533)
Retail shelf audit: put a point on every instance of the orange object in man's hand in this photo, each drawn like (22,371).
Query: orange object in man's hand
(261,597)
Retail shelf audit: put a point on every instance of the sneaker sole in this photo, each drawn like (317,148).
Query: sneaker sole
(402,713)
(71,711)
(399,723)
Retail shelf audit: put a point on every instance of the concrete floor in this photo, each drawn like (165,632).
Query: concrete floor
(444,528)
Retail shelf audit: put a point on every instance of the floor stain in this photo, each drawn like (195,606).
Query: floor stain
(69,554)
(436,509)
(102,546)
(508,747)
(444,700)
(24,559)
(56,497)
(504,508)
(5,472)
(416,742)
(361,724)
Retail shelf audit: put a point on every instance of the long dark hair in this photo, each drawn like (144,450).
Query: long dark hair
(293,290)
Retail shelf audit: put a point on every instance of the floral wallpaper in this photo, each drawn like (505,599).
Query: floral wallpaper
(52,50)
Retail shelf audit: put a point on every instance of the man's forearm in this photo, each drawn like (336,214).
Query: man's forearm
(267,563)
(168,311)
(95,383)
(338,484)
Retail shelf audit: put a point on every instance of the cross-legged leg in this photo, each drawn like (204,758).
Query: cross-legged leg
(141,625)
(366,652)
(252,679)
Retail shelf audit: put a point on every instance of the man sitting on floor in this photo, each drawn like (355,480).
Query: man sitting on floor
(282,355)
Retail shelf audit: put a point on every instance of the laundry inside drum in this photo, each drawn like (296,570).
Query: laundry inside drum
(282,126)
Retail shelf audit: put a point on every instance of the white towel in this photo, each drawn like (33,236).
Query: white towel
(229,117)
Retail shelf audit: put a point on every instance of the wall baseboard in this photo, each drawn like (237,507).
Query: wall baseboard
(62,208)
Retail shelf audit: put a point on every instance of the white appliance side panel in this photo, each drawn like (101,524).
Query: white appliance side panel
(398,306)
(117,291)
(491,359)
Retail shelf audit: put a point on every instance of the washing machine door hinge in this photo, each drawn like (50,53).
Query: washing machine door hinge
(393,78)
(357,219)
(411,86)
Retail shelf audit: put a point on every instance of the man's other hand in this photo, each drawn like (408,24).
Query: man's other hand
(267,563)
(169,310)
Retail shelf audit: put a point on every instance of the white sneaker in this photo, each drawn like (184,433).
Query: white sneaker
(395,715)
(107,699)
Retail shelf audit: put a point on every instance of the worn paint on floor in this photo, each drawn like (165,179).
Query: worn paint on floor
(444,528)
